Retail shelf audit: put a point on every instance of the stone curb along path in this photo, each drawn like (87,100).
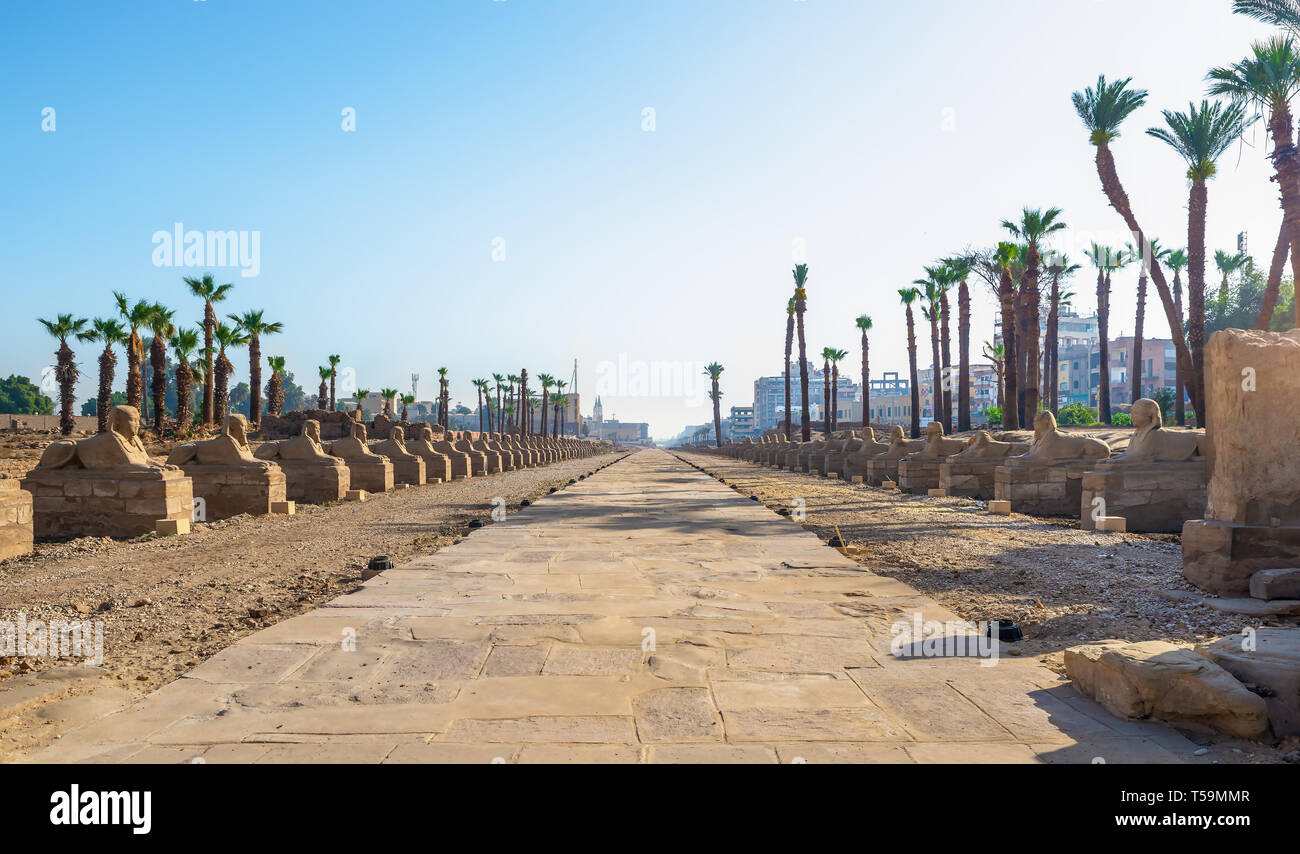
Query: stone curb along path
(647,613)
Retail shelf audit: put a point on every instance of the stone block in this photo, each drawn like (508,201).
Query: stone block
(1000,508)
(938,493)
(172,527)
(1221,557)
(1275,584)
(284,508)
(357,495)
(313,482)
(16,532)
(1269,660)
(1112,524)
(1154,498)
(370,475)
(227,491)
(1042,489)
(161,493)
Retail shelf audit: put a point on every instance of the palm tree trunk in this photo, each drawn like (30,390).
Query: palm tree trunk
(480,411)
(1196,207)
(1274,279)
(826,397)
(254,381)
(806,431)
(1007,295)
(717,415)
(1025,348)
(104,403)
(66,373)
(134,384)
(183,383)
(835,397)
(946,338)
(935,384)
(333,400)
(1180,381)
(789,345)
(866,382)
(963,356)
(158,359)
(275,394)
(1135,381)
(322,395)
(915,376)
(209,324)
(1103,344)
(1114,190)
(220,395)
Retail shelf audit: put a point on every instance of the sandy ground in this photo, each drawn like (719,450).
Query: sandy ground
(169,603)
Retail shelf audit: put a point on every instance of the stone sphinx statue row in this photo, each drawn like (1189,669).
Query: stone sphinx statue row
(108,485)
(1157,482)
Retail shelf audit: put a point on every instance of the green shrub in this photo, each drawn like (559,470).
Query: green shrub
(1076,414)
(1121,419)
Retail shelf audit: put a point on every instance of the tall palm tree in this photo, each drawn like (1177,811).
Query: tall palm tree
(334,372)
(789,346)
(1103,110)
(480,387)
(1271,290)
(499,381)
(161,325)
(523,403)
(275,386)
(254,326)
(1105,260)
(513,380)
(945,281)
(1058,267)
(226,338)
(1005,256)
(910,296)
(389,396)
(1035,227)
(1142,256)
(863,322)
(1177,261)
(112,333)
(800,307)
(714,372)
(136,316)
(557,410)
(1201,136)
(183,343)
(826,390)
(929,288)
(1267,79)
(443,397)
(836,357)
(546,381)
(959,269)
(1228,265)
(560,385)
(211,293)
(362,394)
(407,400)
(62,328)
(322,393)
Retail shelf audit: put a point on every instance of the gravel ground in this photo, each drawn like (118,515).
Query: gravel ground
(1064,586)
(169,603)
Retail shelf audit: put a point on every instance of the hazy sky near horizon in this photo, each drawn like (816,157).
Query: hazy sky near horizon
(503,202)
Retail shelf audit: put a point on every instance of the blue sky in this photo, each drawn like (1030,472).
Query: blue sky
(880,137)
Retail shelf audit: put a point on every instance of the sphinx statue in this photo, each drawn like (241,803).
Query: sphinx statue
(312,476)
(855,464)
(369,471)
(1156,485)
(227,477)
(832,462)
(408,467)
(437,466)
(884,466)
(970,473)
(919,472)
(106,485)
(1047,480)
(118,449)
(492,458)
(461,462)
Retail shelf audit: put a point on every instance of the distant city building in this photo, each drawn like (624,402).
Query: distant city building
(769,396)
(742,423)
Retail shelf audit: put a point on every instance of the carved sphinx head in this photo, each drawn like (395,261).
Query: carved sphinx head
(236,427)
(1146,414)
(426,433)
(359,432)
(868,434)
(398,435)
(311,429)
(933,430)
(896,433)
(125,422)
(1044,423)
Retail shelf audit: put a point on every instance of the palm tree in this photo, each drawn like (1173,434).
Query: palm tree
(513,380)
(362,394)
(1103,110)
(714,371)
(836,356)
(559,388)
(62,328)
(160,324)
(801,306)
(996,354)
(1200,136)
(1280,254)
(111,332)
(826,390)
(1059,267)
(1267,79)
(275,386)
(1228,265)
(1005,257)
(499,381)
(909,296)
(322,393)
(523,403)
(388,396)
(183,343)
(789,346)
(226,338)
(959,271)
(1177,261)
(480,386)
(136,316)
(930,311)
(863,322)
(1034,228)
(254,325)
(557,410)
(211,293)
(442,397)
(1105,260)
(546,381)
(1142,256)
(407,400)
(945,280)
(334,372)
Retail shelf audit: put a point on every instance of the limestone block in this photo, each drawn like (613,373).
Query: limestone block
(357,495)
(312,482)
(284,508)
(1269,659)
(1111,524)
(1042,489)
(228,492)
(1272,584)
(1156,679)
(1154,498)
(173,527)
(1222,556)
(370,475)
(16,534)
(158,493)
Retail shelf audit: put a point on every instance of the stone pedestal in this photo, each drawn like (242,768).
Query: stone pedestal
(1042,489)
(69,503)
(919,475)
(880,470)
(1155,498)
(370,475)
(310,482)
(1252,514)
(460,461)
(226,491)
(15,520)
(971,478)
(437,467)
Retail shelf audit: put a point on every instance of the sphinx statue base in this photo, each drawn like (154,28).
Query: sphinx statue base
(1156,498)
(16,532)
(1042,489)
(225,491)
(70,502)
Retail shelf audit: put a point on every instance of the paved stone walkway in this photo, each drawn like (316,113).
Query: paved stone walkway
(646,614)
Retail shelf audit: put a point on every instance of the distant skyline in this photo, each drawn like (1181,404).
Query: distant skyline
(489,186)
